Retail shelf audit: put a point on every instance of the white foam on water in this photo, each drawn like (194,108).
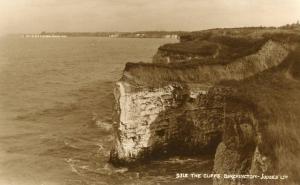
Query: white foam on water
(104,125)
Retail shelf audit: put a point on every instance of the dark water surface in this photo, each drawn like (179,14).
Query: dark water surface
(55,112)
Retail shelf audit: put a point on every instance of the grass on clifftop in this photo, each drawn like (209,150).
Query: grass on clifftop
(229,44)
(203,48)
(225,49)
(220,47)
(277,94)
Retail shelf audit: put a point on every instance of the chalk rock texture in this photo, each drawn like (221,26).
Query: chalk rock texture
(166,120)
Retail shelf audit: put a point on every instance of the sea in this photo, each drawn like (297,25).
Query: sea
(56,102)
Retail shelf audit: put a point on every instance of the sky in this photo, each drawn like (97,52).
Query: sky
(34,16)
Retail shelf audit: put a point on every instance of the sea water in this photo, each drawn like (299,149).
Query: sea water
(55,112)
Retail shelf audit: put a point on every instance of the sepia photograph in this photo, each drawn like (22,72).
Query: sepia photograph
(149,92)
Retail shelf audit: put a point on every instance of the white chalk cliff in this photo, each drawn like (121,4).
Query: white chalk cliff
(176,109)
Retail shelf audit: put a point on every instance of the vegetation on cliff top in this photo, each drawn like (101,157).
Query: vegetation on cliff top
(233,48)
(226,45)
(223,48)
(276,93)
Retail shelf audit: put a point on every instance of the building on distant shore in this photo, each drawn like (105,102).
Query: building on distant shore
(173,36)
(139,35)
(43,36)
(114,35)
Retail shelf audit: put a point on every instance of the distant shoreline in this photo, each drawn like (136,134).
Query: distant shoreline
(143,34)
(140,34)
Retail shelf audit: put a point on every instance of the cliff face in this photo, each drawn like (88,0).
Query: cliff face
(185,104)
(271,54)
(173,119)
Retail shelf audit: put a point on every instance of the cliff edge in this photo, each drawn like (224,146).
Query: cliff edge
(232,93)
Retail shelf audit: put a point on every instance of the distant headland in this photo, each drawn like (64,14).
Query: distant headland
(141,34)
